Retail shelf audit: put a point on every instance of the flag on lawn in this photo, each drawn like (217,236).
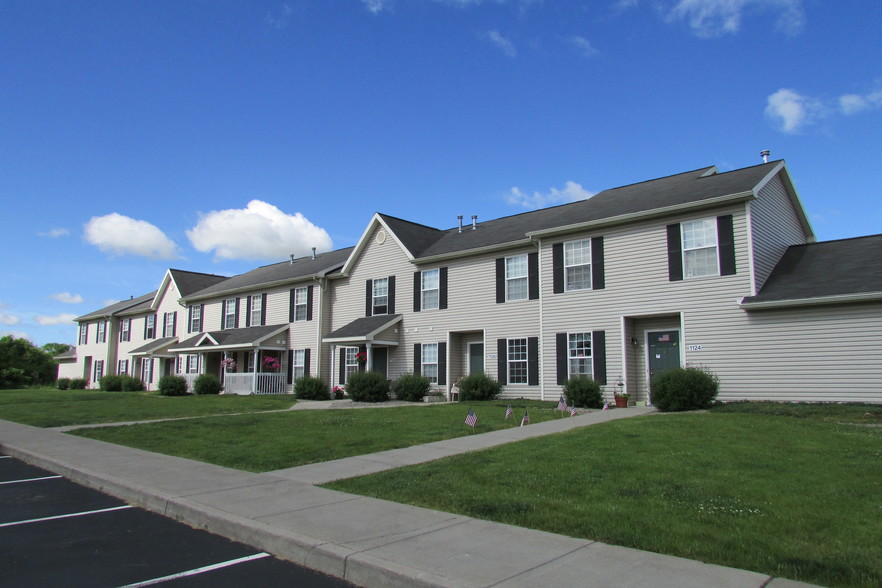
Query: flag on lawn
(573,411)
(526,419)
(562,404)
(471,418)
(508,412)
(606,406)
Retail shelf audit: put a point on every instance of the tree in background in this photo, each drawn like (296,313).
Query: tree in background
(56,349)
(23,364)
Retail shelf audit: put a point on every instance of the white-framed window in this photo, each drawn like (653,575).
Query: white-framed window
(517,361)
(381,296)
(97,371)
(301,297)
(230,314)
(196,318)
(125,329)
(577,265)
(429,362)
(298,367)
(579,354)
(150,326)
(517,285)
(101,337)
(700,248)
(256,310)
(170,324)
(350,361)
(249,362)
(122,367)
(147,370)
(84,334)
(192,364)
(430,289)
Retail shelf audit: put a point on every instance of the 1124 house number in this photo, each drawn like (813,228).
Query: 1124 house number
(693,348)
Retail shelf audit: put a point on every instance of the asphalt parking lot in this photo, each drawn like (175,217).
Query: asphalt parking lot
(54,532)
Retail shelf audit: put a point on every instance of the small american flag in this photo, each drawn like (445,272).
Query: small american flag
(562,404)
(508,412)
(471,418)
(526,419)
(606,406)
(572,411)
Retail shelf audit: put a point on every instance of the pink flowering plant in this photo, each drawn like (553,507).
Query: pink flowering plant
(271,363)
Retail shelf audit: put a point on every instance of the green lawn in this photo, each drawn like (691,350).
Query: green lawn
(799,498)
(264,442)
(44,407)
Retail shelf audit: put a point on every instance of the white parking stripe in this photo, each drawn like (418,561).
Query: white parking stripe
(197,571)
(30,480)
(66,516)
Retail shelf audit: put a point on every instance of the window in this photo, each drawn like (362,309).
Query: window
(125,328)
(577,265)
(98,370)
(84,334)
(301,297)
(256,311)
(192,364)
(429,362)
(579,354)
(350,362)
(516,280)
(298,367)
(517,361)
(150,326)
(122,367)
(147,370)
(195,319)
(230,314)
(381,296)
(430,289)
(101,337)
(700,248)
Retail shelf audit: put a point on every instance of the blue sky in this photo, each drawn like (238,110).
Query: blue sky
(220,135)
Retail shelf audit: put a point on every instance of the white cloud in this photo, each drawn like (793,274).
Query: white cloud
(260,231)
(58,319)
(792,111)
(855,103)
(67,298)
(120,235)
(713,18)
(503,44)
(571,193)
(376,6)
(9,319)
(280,19)
(15,335)
(54,233)
(583,45)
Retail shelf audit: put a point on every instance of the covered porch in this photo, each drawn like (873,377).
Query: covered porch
(154,360)
(365,344)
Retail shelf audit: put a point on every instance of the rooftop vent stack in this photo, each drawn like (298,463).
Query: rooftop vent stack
(459,218)
(292,259)
(474,221)
(313,252)
(765,155)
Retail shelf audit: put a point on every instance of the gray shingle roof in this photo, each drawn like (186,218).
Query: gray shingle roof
(189,282)
(362,327)
(153,346)
(244,337)
(827,269)
(119,307)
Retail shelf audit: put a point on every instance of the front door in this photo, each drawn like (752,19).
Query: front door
(664,352)
(476,358)
(380,360)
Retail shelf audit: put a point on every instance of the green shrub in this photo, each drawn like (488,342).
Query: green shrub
(478,387)
(110,383)
(173,386)
(78,383)
(367,387)
(131,384)
(583,392)
(63,383)
(411,387)
(207,384)
(684,389)
(309,388)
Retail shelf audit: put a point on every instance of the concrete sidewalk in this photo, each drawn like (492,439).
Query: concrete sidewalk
(367,541)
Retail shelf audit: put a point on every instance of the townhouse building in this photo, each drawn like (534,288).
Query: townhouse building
(719,270)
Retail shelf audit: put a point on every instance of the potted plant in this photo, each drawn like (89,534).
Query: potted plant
(271,363)
(620,395)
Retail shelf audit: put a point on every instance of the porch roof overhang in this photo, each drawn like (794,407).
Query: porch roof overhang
(159,347)
(364,330)
(266,337)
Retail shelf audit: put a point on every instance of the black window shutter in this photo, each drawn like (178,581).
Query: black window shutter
(533,361)
(598,278)
(390,309)
(262,309)
(502,361)
(236,325)
(598,356)
(675,253)
(442,363)
(290,366)
(342,366)
(557,268)
(164,324)
(533,275)
(223,315)
(248,312)
(306,357)
(189,319)
(562,357)
(726,243)
(417,291)
(309,303)
(292,296)
(145,326)
(201,317)
(368,298)
(174,324)
(500,280)
(417,358)
(442,289)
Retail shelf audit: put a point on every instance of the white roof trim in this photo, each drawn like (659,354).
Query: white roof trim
(365,237)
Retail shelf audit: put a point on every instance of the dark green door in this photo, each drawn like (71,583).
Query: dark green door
(380,360)
(476,358)
(664,351)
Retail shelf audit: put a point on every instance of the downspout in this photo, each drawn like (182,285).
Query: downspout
(320,329)
(541,324)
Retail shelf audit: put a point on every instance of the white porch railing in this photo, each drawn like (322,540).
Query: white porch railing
(190,379)
(264,383)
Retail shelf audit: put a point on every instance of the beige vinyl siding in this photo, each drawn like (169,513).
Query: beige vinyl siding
(774,227)
(96,351)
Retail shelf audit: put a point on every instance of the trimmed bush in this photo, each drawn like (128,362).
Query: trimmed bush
(110,383)
(367,387)
(173,386)
(583,392)
(411,387)
(681,389)
(309,388)
(478,387)
(78,383)
(132,384)
(207,384)
(63,383)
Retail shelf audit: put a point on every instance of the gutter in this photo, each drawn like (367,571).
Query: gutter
(791,302)
(476,251)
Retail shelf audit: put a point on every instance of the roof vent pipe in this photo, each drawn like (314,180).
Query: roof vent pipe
(313,252)
(459,218)
(474,221)
(292,259)
(765,155)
